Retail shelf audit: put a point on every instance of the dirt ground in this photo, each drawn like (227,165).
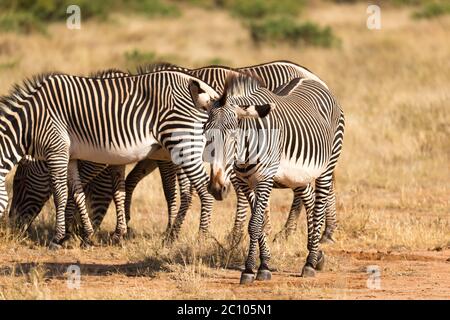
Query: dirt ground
(402,275)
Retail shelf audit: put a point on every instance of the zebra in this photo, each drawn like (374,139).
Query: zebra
(293,139)
(31,184)
(61,119)
(27,201)
(275,73)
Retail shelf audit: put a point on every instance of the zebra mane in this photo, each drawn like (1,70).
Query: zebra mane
(241,83)
(158,66)
(21,92)
(108,73)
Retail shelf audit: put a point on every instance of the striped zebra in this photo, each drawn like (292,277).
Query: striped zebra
(28,201)
(276,74)
(31,184)
(61,119)
(293,139)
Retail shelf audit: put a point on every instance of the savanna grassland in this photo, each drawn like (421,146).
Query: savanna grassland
(392,178)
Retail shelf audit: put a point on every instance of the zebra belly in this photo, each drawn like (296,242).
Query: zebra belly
(293,174)
(147,148)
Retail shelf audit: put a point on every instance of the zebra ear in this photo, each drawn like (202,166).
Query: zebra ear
(254,111)
(200,97)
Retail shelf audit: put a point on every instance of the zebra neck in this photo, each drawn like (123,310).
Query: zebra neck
(12,145)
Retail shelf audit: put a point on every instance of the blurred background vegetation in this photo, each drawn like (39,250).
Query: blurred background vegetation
(266,20)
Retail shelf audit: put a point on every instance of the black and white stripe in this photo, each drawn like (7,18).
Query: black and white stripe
(276,74)
(293,140)
(60,119)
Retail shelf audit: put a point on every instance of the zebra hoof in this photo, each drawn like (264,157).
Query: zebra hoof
(308,272)
(280,236)
(86,243)
(116,239)
(131,234)
(247,278)
(234,238)
(203,236)
(263,275)
(69,241)
(277,238)
(327,239)
(169,239)
(320,261)
(54,246)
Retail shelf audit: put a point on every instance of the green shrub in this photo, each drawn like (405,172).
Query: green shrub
(393,2)
(135,58)
(9,65)
(257,9)
(20,22)
(30,15)
(217,61)
(207,4)
(409,2)
(54,10)
(433,9)
(152,8)
(286,29)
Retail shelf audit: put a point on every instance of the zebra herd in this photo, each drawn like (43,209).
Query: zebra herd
(273,125)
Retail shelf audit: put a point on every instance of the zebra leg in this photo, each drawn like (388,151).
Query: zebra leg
(291,222)
(331,199)
(118,182)
(100,195)
(93,177)
(330,217)
(267,226)
(206,200)
(185,203)
(57,164)
(257,236)
(139,172)
(316,220)
(237,232)
(77,192)
(306,195)
(71,223)
(192,166)
(168,173)
(198,179)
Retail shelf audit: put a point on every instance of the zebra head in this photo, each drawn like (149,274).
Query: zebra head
(222,129)
(31,190)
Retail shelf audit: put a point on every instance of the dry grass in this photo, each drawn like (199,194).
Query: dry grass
(393,175)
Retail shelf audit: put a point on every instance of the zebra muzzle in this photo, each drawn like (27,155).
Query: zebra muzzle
(219,192)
